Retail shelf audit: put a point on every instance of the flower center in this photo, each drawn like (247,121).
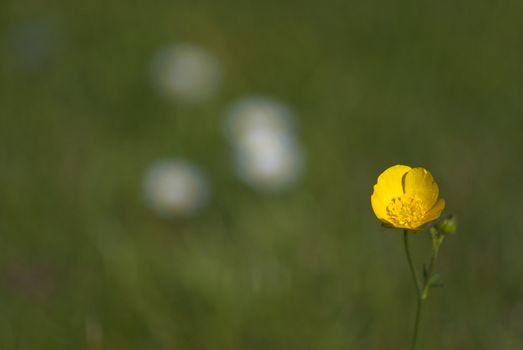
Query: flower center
(406,211)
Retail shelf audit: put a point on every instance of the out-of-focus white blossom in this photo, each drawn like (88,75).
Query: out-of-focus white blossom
(186,73)
(257,115)
(267,155)
(175,188)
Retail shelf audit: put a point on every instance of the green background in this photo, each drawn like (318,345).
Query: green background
(85,264)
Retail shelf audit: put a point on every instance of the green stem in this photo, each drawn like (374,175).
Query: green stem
(430,271)
(418,290)
(416,324)
(411,266)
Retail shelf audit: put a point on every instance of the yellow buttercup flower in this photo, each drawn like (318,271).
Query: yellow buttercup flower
(406,197)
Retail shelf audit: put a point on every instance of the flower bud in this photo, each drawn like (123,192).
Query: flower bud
(448,225)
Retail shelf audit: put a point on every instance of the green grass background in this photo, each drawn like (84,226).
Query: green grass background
(85,265)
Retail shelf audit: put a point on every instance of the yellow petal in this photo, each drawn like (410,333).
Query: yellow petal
(435,212)
(389,183)
(420,183)
(389,186)
(380,208)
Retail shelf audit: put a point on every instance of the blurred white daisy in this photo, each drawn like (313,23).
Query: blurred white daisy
(255,115)
(187,73)
(269,162)
(261,130)
(175,188)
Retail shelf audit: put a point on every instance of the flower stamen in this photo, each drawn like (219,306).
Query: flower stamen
(406,211)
